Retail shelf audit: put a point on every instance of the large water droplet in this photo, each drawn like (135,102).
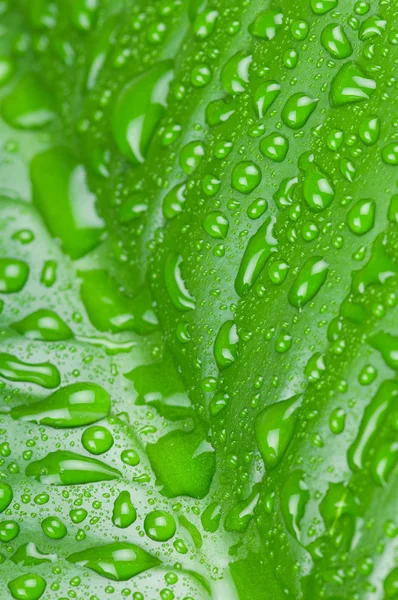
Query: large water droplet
(274,428)
(140,106)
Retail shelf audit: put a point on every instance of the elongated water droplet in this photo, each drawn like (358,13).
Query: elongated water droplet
(43,374)
(384,460)
(74,405)
(175,283)
(110,309)
(43,325)
(308,282)
(264,96)
(294,498)
(119,561)
(226,345)
(374,415)
(258,250)
(73,218)
(68,468)
(274,428)
(140,106)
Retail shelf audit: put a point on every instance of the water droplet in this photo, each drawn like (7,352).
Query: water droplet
(275,147)
(298,109)
(130,457)
(384,460)
(361,217)
(97,440)
(278,271)
(337,420)
(138,110)
(7,69)
(43,374)
(369,130)
(13,275)
(246,176)
(74,405)
(226,345)
(160,526)
(284,196)
(6,495)
(264,96)
(29,105)
(27,587)
(29,555)
(205,23)
(321,7)
(335,41)
(390,154)
(308,282)
(267,24)
(318,189)
(258,250)
(174,201)
(9,530)
(351,85)
(219,111)
(294,498)
(374,26)
(201,76)
(335,140)
(124,513)
(132,209)
(235,74)
(299,29)
(257,208)
(73,219)
(216,225)
(118,561)
(68,468)
(175,283)
(43,325)
(374,415)
(53,528)
(274,428)
(191,155)
(387,345)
